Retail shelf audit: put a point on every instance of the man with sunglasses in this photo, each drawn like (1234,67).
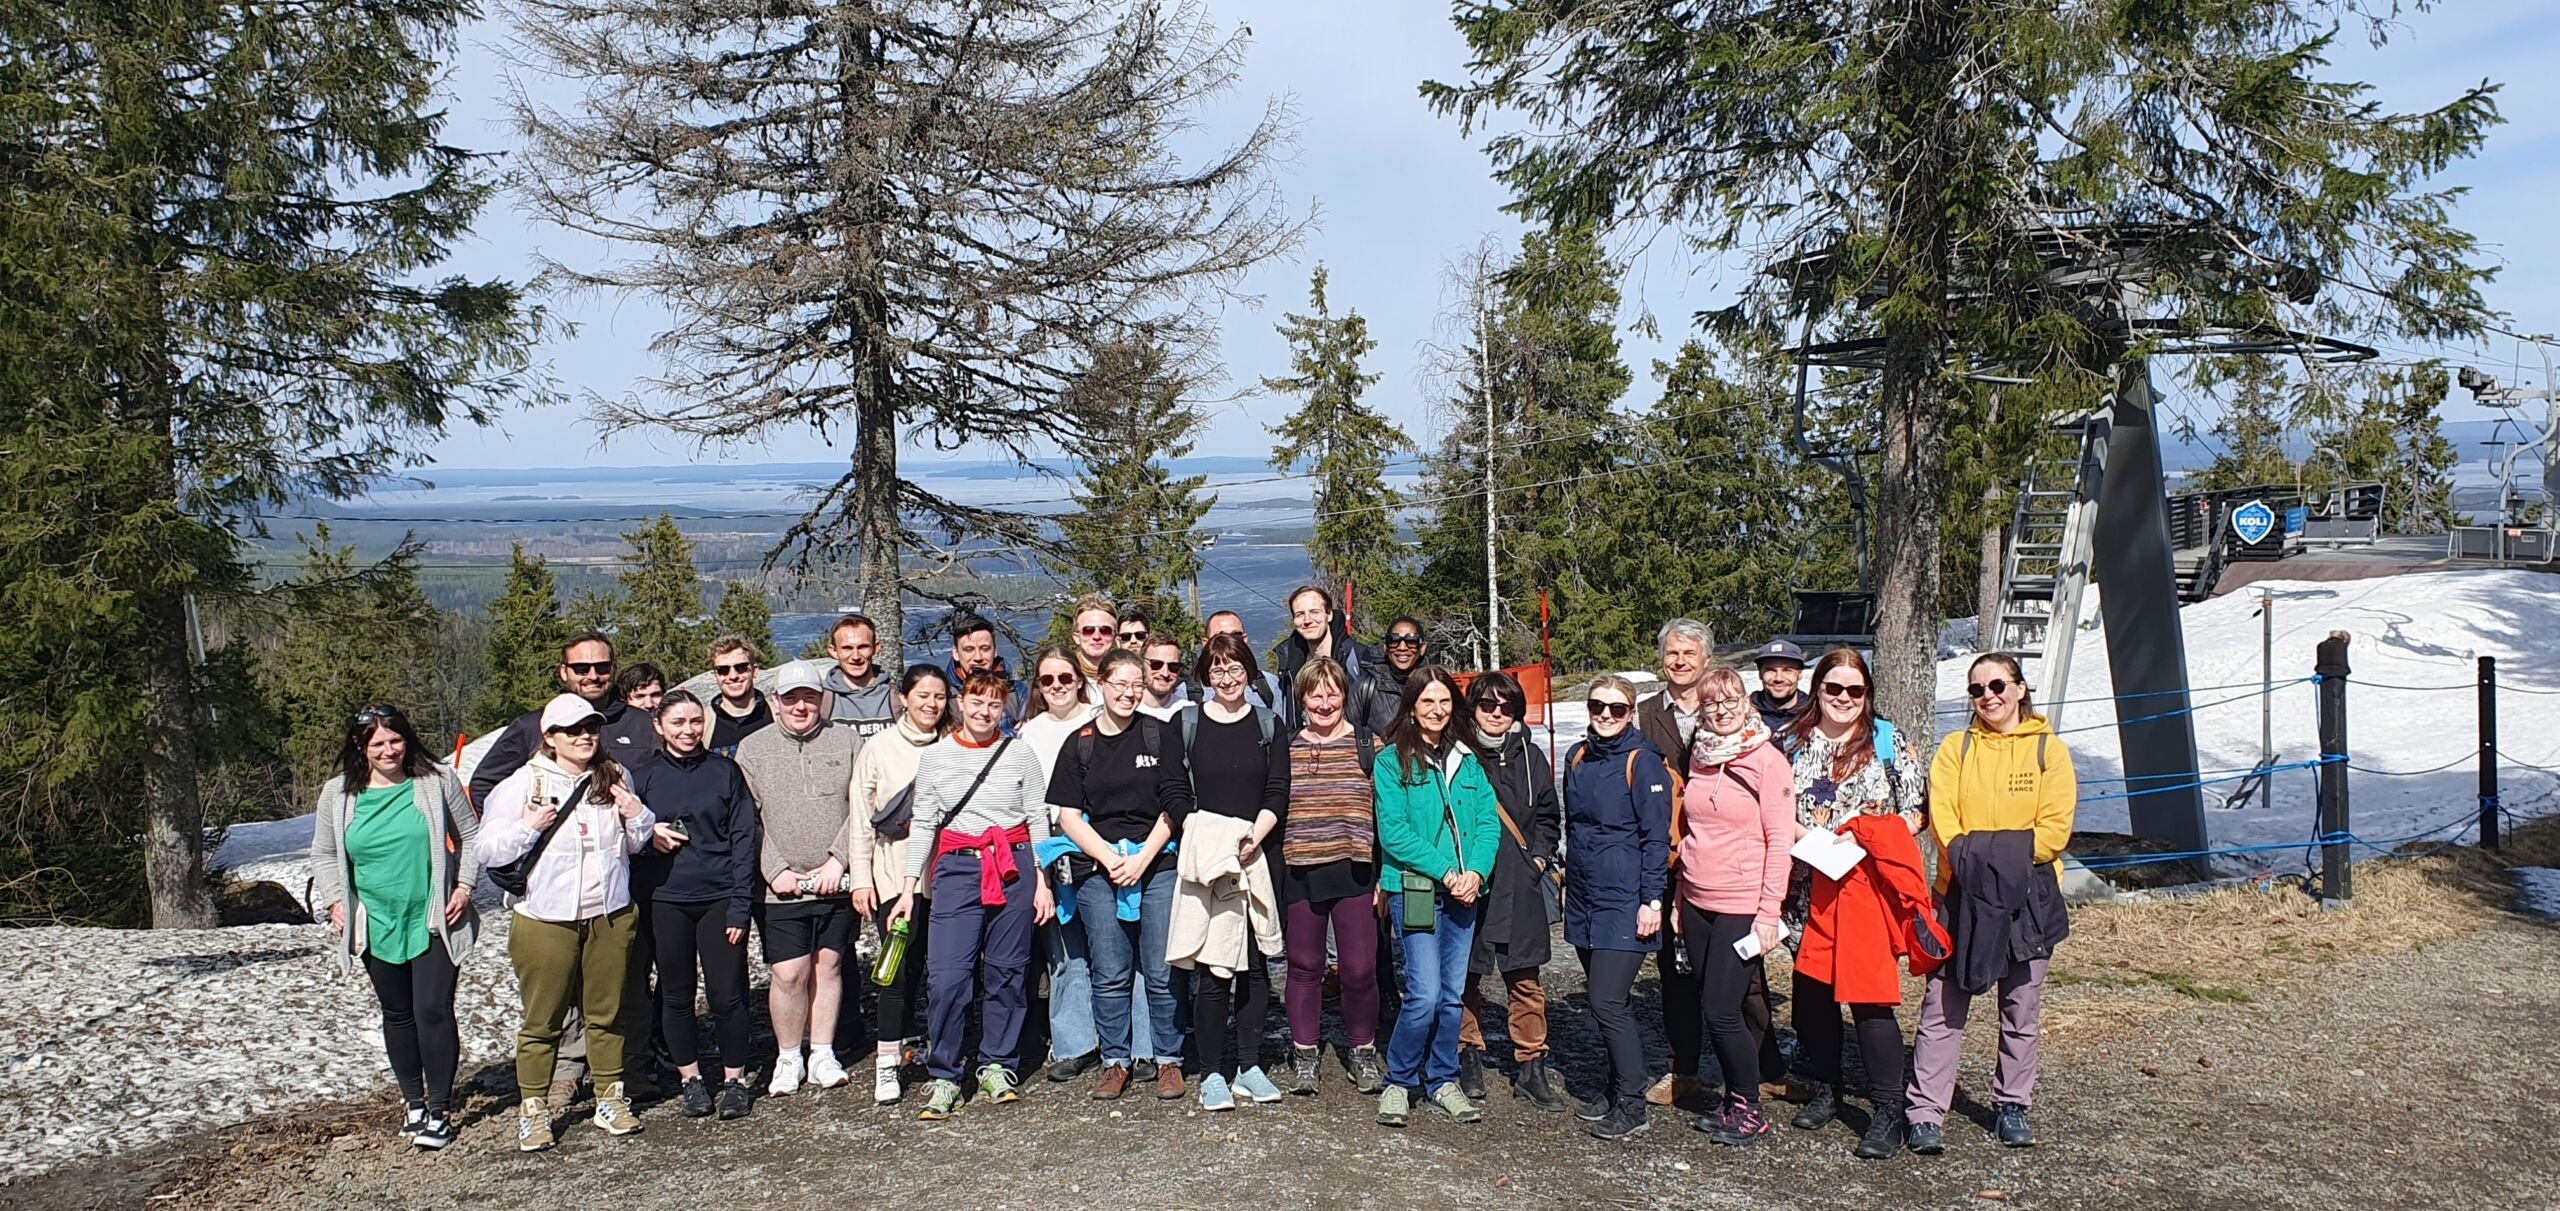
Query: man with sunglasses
(1136,624)
(864,700)
(740,710)
(1164,695)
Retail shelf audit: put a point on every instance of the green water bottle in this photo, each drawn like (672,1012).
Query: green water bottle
(893,954)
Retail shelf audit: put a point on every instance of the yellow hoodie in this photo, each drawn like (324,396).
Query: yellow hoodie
(1992,784)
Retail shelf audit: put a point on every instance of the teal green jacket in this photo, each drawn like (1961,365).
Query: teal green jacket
(1413,829)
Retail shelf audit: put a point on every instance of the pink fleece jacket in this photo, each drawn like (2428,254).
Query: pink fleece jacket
(1734,842)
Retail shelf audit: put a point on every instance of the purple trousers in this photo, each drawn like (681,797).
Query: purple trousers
(1355,942)
(1943,1009)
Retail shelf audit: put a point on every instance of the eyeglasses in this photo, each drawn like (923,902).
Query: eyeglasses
(732,670)
(1837,689)
(1059,680)
(1226,674)
(1133,636)
(1608,710)
(1498,706)
(1125,687)
(1097,630)
(1164,666)
(1404,641)
(588,668)
(376,714)
(1994,688)
(1724,704)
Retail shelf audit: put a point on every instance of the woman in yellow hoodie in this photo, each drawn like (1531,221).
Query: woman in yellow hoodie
(2001,795)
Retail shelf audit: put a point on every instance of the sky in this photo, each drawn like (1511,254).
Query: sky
(1398,196)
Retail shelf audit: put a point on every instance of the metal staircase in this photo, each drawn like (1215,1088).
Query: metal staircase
(2047,566)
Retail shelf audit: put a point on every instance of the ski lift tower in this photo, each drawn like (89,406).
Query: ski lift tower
(2103,272)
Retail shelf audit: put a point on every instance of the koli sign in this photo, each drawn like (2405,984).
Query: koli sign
(2253,521)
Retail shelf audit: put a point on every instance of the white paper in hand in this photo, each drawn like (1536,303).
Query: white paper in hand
(1831,853)
(1748,946)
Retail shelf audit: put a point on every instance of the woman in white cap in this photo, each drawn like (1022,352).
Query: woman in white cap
(570,817)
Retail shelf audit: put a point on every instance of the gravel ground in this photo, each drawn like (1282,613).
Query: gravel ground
(2418,1079)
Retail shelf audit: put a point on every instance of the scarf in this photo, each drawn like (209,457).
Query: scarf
(1711,750)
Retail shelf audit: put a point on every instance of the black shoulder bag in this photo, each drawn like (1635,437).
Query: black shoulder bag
(515,876)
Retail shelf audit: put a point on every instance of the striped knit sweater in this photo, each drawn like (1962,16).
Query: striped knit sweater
(1332,805)
(1015,792)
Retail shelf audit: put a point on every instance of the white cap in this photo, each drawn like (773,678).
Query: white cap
(567,710)
(799,675)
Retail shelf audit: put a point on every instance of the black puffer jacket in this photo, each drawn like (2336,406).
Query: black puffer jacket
(1512,934)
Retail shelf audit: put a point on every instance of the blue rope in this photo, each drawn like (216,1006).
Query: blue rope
(2187,786)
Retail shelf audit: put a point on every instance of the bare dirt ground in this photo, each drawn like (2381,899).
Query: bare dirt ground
(2419,1077)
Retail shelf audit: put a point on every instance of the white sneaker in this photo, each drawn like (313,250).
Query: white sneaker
(825,1071)
(884,1083)
(786,1075)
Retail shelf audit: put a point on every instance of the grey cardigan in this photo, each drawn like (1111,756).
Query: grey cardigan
(449,865)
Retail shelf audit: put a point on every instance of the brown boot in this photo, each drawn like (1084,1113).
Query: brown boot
(1169,1081)
(1114,1082)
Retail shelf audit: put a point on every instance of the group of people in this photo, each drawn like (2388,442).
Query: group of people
(1169,834)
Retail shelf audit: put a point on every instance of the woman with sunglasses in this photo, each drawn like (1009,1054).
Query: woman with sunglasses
(1511,933)
(1107,791)
(1617,812)
(1436,826)
(1329,879)
(978,817)
(574,925)
(2001,796)
(1737,824)
(1067,697)
(699,881)
(391,869)
(876,867)
(1855,775)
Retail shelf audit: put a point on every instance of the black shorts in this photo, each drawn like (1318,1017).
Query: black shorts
(796,929)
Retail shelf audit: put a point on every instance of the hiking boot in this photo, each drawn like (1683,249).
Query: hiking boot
(1673,1089)
(562,1092)
(1927,1139)
(1215,1095)
(736,1098)
(1471,1072)
(996,1084)
(1451,1100)
(1368,1070)
(533,1126)
(2011,1126)
(786,1075)
(1394,1107)
(1884,1134)
(1737,1124)
(1304,1064)
(941,1102)
(696,1096)
(1819,1109)
(1069,1069)
(826,1071)
(1114,1082)
(613,1110)
(435,1133)
(1597,1109)
(1168,1081)
(413,1119)
(1624,1119)
(1530,1082)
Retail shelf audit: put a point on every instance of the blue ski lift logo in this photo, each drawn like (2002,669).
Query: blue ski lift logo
(2253,522)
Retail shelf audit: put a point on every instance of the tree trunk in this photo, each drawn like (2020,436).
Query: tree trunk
(1920,136)
(173,815)
(876,504)
(1986,586)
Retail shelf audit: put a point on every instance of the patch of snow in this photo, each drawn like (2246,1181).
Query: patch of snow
(2538,891)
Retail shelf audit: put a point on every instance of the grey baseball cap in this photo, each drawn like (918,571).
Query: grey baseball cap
(1778,649)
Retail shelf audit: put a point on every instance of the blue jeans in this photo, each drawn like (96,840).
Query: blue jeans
(1121,953)
(1422,1054)
(1071,1031)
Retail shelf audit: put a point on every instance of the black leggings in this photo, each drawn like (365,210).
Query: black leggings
(683,933)
(418,1030)
(899,1008)
(1879,1041)
(1245,1000)
(1724,980)
(1611,977)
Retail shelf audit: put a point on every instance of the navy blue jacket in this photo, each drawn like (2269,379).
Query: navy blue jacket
(1617,839)
(710,796)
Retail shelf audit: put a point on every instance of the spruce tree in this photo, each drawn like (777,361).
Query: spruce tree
(2408,450)
(351,634)
(2253,426)
(660,619)
(743,610)
(1135,534)
(520,667)
(1343,445)
(221,266)
(896,219)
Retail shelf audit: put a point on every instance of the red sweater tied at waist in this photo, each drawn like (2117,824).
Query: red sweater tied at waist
(994,848)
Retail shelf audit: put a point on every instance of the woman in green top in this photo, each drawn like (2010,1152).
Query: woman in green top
(1436,826)
(391,868)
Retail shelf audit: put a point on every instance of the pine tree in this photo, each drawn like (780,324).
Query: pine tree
(1342,444)
(351,635)
(1911,170)
(1135,534)
(660,616)
(2252,429)
(526,629)
(743,610)
(220,259)
(894,219)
